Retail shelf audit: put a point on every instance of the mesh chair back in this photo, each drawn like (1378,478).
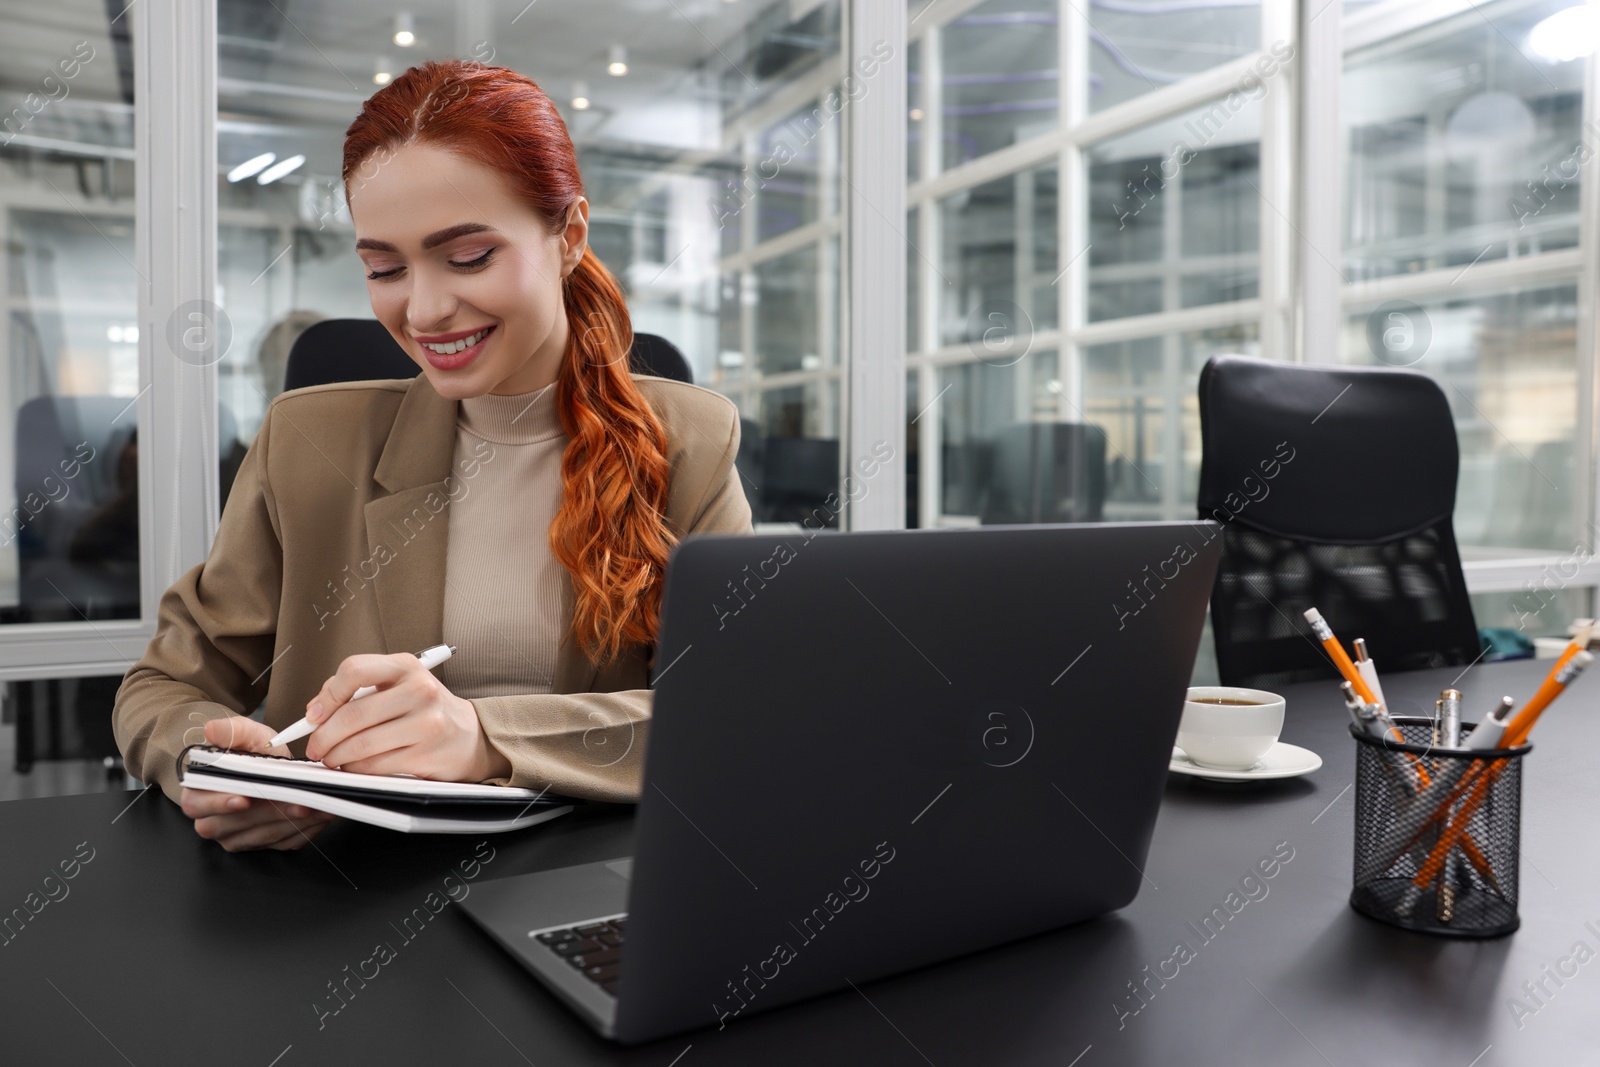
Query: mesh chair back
(1335,487)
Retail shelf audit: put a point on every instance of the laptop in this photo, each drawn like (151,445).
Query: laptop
(871,751)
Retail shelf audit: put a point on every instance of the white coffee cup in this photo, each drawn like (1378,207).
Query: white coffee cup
(1232,736)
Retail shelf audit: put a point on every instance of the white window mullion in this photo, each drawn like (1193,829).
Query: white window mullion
(1586,434)
(1277,277)
(875,276)
(1072,209)
(1318,211)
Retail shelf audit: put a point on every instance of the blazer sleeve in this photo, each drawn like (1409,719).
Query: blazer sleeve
(591,745)
(215,631)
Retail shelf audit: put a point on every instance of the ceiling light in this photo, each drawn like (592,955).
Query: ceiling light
(619,61)
(915,114)
(250,167)
(580,96)
(404,30)
(279,169)
(1568,34)
(114,333)
(382,70)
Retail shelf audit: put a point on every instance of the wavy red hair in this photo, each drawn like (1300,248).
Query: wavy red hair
(610,531)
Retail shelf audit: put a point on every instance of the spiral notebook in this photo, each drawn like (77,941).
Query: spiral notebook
(398,802)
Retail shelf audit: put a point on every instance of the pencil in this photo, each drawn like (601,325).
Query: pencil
(1554,685)
(1567,668)
(1341,660)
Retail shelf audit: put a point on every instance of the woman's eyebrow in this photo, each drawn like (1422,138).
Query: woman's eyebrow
(433,240)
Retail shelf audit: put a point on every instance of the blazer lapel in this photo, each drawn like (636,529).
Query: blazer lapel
(413,522)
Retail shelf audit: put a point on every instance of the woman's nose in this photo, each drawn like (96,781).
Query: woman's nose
(430,307)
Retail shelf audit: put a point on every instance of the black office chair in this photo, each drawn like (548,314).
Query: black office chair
(1046,472)
(355,350)
(797,476)
(1335,487)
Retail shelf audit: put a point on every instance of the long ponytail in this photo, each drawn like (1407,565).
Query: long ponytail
(610,531)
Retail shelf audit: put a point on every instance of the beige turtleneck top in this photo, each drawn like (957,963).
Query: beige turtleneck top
(507,601)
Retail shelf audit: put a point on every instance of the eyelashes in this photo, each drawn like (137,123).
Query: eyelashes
(468,267)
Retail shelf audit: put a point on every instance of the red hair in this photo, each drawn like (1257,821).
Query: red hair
(610,531)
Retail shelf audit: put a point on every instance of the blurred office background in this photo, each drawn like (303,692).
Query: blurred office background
(1091,209)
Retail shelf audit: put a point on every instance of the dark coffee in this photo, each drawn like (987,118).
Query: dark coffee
(1230,701)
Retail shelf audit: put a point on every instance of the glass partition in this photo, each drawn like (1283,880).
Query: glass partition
(1464,160)
(69,372)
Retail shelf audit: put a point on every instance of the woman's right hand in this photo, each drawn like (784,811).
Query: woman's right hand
(240,823)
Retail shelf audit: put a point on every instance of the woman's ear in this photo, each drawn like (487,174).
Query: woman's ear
(575,236)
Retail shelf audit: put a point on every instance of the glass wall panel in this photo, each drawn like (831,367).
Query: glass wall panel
(1174,212)
(1005,457)
(998,244)
(915,116)
(69,372)
(786,313)
(790,183)
(999,79)
(913,284)
(1137,46)
(1508,365)
(1463,144)
(1142,393)
(800,469)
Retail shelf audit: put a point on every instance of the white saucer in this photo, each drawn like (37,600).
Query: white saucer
(1281,761)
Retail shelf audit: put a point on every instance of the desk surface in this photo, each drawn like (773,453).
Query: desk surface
(160,951)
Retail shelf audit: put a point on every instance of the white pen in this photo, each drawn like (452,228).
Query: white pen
(1364,714)
(1371,719)
(1487,734)
(1368,671)
(430,658)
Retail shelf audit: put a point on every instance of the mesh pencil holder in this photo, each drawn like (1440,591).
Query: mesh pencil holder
(1438,833)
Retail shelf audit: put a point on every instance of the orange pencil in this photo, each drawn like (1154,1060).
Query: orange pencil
(1554,685)
(1341,660)
(1522,722)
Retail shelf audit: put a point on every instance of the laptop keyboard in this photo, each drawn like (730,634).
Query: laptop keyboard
(592,949)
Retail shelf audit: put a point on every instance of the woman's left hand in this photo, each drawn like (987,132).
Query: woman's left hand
(412,724)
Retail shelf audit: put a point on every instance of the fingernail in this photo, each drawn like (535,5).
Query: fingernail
(237,802)
(315,714)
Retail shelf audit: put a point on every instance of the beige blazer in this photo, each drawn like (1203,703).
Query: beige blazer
(334,471)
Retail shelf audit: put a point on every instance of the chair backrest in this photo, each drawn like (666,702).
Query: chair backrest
(345,350)
(797,475)
(1336,488)
(658,356)
(354,350)
(1046,472)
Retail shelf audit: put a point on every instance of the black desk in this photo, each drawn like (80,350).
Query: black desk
(162,950)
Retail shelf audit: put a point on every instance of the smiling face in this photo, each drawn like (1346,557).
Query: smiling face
(454,258)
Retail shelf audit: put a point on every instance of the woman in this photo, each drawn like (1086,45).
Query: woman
(518,499)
